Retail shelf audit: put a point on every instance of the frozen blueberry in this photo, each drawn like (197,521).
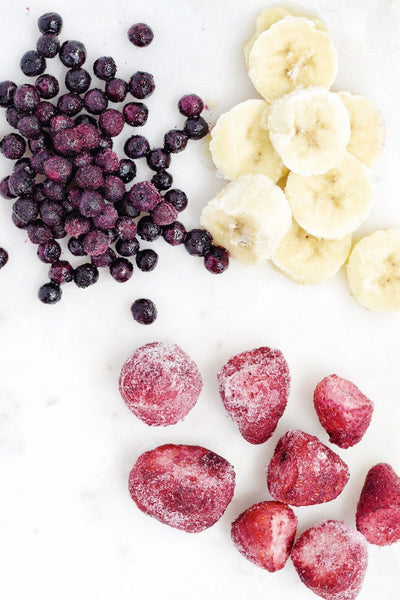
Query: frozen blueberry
(49,293)
(107,160)
(60,123)
(164,214)
(29,127)
(107,218)
(136,146)
(39,158)
(147,229)
(78,80)
(41,142)
(47,86)
(5,189)
(85,119)
(39,233)
(58,230)
(105,142)
(127,247)
(144,311)
(196,128)
(116,89)
(91,203)
(216,259)
(51,213)
(13,146)
(177,198)
(68,142)
(24,164)
(105,68)
(48,45)
(190,105)
(49,252)
(175,140)
(125,228)
(141,85)
(158,159)
(76,225)
(70,104)
(174,234)
(198,242)
(147,259)
(144,196)
(7,89)
(95,101)
(126,170)
(90,177)
(45,112)
(50,22)
(12,116)
(72,54)
(75,246)
(61,271)
(3,257)
(111,122)
(26,98)
(105,259)
(21,183)
(89,134)
(54,190)
(58,168)
(140,35)
(113,188)
(135,113)
(121,269)
(26,210)
(96,242)
(86,275)
(126,208)
(32,64)
(83,159)
(162,180)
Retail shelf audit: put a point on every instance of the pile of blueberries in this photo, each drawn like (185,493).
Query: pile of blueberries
(73,185)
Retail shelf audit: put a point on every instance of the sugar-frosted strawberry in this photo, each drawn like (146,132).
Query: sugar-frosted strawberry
(378,510)
(343,410)
(331,560)
(254,387)
(264,534)
(187,487)
(303,471)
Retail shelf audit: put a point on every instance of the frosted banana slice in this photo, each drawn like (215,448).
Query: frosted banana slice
(291,53)
(272,15)
(333,204)
(239,144)
(309,129)
(307,259)
(373,271)
(367,128)
(249,217)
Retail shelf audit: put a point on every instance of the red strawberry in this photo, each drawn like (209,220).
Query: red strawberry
(331,560)
(187,487)
(343,410)
(264,534)
(160,383)
(378,510)
(304,471)
(254,387)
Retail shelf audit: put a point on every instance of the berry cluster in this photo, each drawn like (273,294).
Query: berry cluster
(74,186)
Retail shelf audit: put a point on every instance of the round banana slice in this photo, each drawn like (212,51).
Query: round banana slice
(367,136)
(271,15)
(307,259)
(239,144)
(333,204)
(249,217)
(373,271)
(291,53)
(310,130)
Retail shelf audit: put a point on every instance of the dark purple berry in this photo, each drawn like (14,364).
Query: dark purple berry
(38,159)
(51,213)
(7,89)
(177,198)
(144,196)
(105,259)
(72,54)
(68,142)
(39,233)
(76,225)
(111,122)
(175,140)
(196,128)
(86,275)
(67,207)
(83,159)
(158,159)
(75,246)
(144,311)
(136,146)
(174,234)
(95,242)
(48,45)
(126,228)
(113,188)
(61,123)
(38,193)
(107,160)
(41,142)
(89,135)
(58,168)
(49,293)
(85,119)
(198,242)
(216,259)
(13,146)
(95,101)
(90,177)
(147,229)
(121,269)
(105,68)
(26,98)
(162,180)
(49,252)
(190,105)
(47,86)
(135,113)
(21,183)
(59,230)
(17,222)
(3,257)
(45,112)
(50,22)
(107,218)
(116,90)
(26,210)
(164,214)
(91,203)
(141,85)
(105,142)
(70,104)
(140,35)
(12,116)
(125,208)
(54,190)
(78,80)
(127,247)
(24,164)
(5,189)
(146,260)
(32,64)
(126,170)
(112,235)
(61,271)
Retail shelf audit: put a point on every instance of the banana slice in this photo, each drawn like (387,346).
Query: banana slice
(291,53)
(239,144)
(367,128)
(307,259)
(334,204)
(373,271)
(249,217)
(309,129)
(272,15)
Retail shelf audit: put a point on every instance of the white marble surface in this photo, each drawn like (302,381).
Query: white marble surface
(68,528)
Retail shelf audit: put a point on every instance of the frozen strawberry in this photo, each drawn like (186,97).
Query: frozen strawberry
(343,410)
(160,383)
(187,487)
(304,471)
(254,387)
(378,510)
(331,560)
(264,534)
